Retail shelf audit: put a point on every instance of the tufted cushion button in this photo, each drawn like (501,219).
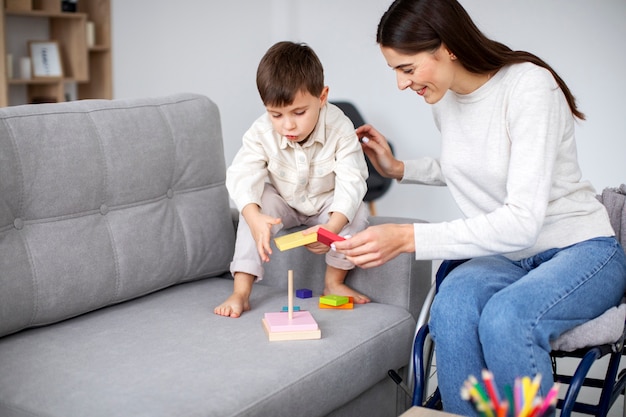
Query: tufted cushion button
(18,223)
(170,193)
(104,209)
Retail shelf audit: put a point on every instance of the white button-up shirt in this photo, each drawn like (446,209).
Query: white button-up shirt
(329,164)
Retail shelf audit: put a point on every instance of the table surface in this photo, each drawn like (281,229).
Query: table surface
(425,412)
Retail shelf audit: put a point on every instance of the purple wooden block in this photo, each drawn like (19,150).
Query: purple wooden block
(304,293)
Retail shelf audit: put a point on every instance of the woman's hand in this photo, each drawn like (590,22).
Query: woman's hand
(378,151)
(377,245)
(260,226)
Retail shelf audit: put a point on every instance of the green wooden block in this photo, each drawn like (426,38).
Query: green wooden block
(334,300)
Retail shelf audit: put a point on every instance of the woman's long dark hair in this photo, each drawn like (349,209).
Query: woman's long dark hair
(414,26)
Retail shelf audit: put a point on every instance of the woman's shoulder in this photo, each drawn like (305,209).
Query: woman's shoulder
(527,73)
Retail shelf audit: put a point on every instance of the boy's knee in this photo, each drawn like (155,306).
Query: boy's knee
(271,205)
(337,260)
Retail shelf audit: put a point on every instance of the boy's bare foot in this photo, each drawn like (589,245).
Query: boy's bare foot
(239,300)
(343,289)
(233,307)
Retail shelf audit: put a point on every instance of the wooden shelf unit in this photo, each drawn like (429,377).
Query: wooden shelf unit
(87,67)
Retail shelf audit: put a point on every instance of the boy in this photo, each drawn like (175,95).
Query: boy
(300,164)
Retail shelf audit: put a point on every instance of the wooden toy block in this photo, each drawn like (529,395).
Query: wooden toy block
(280,322)
(293,240)
(347,306)
(333,300)
(295,325)
(326,237)
(292,335)
(302,326)
(304,293)
(286,308)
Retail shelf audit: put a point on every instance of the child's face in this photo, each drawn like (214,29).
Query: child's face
(297,120)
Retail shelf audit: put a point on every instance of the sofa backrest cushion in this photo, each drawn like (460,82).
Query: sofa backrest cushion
(102,201)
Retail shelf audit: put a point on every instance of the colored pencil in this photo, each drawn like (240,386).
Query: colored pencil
(549,401)
(519,401)
(491,388)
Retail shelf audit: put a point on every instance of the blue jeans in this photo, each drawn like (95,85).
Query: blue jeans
(499,314)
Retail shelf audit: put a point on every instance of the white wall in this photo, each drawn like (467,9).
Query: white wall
(213,48)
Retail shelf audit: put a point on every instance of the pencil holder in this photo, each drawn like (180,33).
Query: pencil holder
(521,400)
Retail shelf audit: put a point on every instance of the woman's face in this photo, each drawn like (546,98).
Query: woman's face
(429,74)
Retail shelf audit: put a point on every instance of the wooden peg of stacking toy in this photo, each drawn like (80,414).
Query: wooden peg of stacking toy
(292,325)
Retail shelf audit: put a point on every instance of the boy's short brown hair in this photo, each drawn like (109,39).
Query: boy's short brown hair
(287,68)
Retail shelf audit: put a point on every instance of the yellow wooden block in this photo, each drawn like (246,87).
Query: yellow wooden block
(293,240)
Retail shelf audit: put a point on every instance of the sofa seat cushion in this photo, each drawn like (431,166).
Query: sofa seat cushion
(167,354)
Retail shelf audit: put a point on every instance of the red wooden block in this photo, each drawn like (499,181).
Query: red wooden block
(326,237)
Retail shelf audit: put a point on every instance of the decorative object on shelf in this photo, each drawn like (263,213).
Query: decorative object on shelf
(25,70)
(90,28)
(9,66)
(46,59)
(68,5)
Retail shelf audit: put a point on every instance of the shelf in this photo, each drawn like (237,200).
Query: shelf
(45,14)
(87,71)
(34,81)
(41,81)
(99,48)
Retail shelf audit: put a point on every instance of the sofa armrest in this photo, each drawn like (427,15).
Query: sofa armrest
(403,281)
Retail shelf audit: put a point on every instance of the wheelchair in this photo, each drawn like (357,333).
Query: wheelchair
(611,386)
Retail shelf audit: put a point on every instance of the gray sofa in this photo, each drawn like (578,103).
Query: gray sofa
(116,235)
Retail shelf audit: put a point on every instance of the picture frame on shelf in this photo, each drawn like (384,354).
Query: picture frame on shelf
(46,59)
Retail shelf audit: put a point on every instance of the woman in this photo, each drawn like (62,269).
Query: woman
(542,256)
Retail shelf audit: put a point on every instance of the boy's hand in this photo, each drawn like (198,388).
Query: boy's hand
(335,224)
(260,226)
(316,247)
